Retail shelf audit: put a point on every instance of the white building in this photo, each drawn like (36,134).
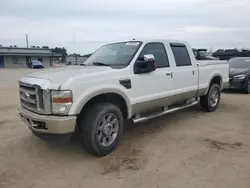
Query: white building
(14,57)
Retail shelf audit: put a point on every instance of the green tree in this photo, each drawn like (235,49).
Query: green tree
(62,51)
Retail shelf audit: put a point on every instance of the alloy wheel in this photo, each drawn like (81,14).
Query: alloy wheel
(214,97)
(108,129)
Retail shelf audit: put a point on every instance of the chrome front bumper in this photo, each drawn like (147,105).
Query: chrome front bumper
(48,124)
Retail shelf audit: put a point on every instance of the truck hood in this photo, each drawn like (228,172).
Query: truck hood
(61,75)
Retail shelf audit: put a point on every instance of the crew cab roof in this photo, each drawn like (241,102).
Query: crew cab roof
(158,40)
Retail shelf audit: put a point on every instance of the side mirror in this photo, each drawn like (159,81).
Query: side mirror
(145,64)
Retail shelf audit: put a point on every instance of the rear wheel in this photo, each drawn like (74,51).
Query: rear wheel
(101,128)
(211,100)
(247,88)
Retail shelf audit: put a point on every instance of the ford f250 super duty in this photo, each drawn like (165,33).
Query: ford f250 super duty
(136,80)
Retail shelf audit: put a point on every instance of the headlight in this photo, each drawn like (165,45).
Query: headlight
(61,102)
(240,77)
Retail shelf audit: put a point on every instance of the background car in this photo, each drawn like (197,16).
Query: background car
(35,64)
(203,54)
(231,53)
(239,76)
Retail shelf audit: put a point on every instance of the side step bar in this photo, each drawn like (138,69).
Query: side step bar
(139,119)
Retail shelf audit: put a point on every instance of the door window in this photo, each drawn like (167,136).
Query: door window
(181,55)
(159,52)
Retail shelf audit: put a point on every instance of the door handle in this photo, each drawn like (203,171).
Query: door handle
(193,72)
(169,74)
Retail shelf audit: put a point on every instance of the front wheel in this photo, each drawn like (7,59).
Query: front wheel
(211,100)
(101,128)
(247,88)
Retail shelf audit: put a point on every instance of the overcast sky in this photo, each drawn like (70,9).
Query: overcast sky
(83,25)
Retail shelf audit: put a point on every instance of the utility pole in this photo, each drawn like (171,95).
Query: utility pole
(74,42)
(27,40)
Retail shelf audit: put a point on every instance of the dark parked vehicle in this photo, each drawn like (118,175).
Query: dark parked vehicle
(240,73)
(35,64)
(202,54)
(226,54)
(231,53)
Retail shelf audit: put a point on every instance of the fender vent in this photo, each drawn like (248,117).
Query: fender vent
(126,83)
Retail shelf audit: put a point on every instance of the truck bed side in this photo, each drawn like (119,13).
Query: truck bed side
(209,70)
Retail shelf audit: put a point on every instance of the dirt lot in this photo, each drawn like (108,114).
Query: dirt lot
(189,148)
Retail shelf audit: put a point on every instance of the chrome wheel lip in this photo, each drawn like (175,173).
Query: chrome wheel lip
(214,97)
(108,129)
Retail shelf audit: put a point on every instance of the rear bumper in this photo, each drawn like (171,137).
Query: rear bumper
(48,124)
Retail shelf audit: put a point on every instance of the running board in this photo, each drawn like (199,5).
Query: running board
(139,119)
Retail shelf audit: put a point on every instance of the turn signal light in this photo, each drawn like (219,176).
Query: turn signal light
(62,100)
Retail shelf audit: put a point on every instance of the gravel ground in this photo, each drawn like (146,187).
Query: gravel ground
(189,148)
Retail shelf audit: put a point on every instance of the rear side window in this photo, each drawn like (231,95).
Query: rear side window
(159,52)
(181,55)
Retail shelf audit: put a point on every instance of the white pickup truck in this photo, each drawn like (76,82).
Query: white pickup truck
(136,80)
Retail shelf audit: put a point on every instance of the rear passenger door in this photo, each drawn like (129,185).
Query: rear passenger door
(185,74)
(154,89)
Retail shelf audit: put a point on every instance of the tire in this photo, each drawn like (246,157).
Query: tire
(101,128)
(211,100)
(247,87)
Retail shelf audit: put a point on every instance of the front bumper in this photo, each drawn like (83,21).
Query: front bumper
(48,124)
(237,84)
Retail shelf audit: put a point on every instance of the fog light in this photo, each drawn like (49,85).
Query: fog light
(38,125)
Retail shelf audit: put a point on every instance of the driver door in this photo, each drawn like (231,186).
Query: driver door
(154,89)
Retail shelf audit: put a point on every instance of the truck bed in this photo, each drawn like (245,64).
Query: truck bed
(210,62)
(206,68)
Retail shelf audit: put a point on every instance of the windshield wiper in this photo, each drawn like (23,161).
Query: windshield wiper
(100,64)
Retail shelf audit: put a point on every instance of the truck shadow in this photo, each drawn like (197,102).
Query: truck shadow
(135,138)
(133,132)
(155,125)
(129,154)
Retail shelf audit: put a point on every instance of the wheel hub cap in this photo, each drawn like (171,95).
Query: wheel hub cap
(214,98)
(108,129)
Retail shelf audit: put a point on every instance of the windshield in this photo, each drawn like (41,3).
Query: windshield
(239,63)
(204,54)
(117,54)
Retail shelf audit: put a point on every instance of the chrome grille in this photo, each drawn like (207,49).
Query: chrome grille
(31,97)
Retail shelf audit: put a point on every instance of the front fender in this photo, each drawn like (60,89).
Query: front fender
(79,103)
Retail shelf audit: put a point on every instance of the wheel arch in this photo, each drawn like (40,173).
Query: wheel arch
(114,96)
(216,78)
(246,80)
